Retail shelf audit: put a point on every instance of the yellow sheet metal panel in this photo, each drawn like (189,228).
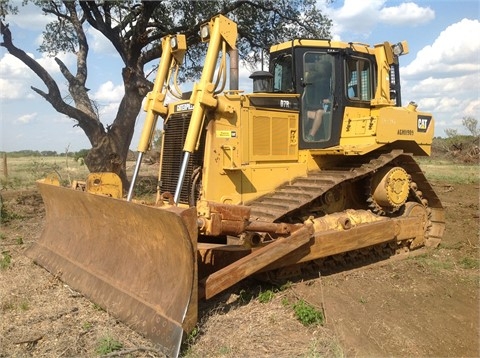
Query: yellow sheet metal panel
(273,136)
(358,122)
(108,184)
(404,124)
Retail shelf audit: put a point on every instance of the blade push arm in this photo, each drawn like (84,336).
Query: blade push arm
(173,51)
(219,32)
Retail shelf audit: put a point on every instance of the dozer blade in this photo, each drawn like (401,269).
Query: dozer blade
(137,262)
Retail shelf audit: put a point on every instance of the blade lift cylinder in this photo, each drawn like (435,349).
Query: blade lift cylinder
(217,32)
(173,51)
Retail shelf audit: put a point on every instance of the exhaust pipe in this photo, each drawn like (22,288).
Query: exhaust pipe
(233,54)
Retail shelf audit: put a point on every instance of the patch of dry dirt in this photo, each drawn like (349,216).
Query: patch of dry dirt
(425,305)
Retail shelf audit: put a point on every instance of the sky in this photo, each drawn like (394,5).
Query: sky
(441,73)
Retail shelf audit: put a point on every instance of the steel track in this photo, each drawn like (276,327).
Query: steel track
(300,193)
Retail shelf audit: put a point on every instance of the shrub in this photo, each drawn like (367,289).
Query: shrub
(5,260)
(108,345)
(469,263)
(265,296)
(307,314)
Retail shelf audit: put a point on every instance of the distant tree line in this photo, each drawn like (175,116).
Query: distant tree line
(463,148)
(458,147)
(45,153)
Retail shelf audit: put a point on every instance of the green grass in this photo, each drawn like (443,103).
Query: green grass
(320,346)
(469,263)
(224,350)
(87,326)
(266,296)
(6,215)
(7,306)
(5,260)
(428,261)
(108,345)
(245,296)
(450,172)
(14,303)
(24,171)
(307,314)
(24,305)
(97,307)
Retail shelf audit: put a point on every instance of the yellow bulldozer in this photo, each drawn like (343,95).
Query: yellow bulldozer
(314,166)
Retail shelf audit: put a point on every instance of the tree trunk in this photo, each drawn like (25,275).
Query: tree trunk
(106,157)
(110,149)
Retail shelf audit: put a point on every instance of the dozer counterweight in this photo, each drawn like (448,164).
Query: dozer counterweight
(317,163)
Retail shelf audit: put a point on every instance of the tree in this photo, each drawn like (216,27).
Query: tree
(471,124)
(135,28)
(461,147)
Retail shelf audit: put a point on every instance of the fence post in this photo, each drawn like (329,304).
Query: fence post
(5,166)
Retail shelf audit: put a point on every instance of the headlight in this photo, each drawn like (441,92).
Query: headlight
(400,48)
(173,43)
(204,32)
(397,49)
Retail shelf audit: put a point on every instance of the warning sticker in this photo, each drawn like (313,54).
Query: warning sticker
(226,134)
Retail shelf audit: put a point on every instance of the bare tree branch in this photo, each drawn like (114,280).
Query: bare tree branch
(76,83)
(53,96)
(95,19)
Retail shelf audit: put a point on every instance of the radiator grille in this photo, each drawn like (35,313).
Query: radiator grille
(175,131)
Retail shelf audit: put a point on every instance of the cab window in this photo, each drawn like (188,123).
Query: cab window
(359,84)
(282,74)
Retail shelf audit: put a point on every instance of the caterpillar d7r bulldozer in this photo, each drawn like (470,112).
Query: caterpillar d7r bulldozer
(316,163)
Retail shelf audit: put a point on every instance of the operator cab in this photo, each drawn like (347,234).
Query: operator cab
(327,80)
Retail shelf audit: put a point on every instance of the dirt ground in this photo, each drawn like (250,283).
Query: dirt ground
(425,305)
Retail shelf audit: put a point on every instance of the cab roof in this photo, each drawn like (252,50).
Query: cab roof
(356,46)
